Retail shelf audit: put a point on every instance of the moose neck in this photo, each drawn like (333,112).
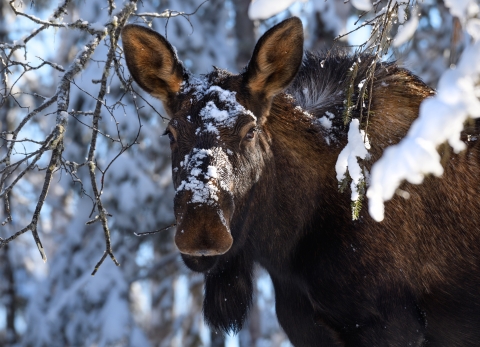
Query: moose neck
(280,209)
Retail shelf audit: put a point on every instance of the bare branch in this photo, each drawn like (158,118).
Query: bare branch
(55,140)
(78,24)
(114,35)
(24,157)
(155,231)
(170,14)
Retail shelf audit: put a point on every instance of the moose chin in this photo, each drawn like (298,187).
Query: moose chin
(253,166)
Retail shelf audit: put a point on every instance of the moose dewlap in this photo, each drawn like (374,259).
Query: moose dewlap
(253,165)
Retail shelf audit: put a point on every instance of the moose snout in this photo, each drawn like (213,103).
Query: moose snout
(203,231)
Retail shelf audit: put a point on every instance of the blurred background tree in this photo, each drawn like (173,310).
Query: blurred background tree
(151,299)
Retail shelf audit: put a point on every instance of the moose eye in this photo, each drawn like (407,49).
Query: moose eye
(170,136)
(250,135)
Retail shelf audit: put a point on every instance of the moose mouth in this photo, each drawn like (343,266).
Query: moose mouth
(203,229)
(202,236)
(200,263)
(200,246)
(203,241)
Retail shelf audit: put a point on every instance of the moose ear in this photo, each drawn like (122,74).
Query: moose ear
(152,61)
(276,59)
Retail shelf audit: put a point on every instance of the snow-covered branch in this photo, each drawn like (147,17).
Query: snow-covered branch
(441,119)
(54,142)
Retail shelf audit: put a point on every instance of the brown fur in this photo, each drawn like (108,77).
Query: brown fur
(154,67)
(281,45)
(411,280)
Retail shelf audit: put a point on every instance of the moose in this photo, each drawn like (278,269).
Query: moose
(254,175)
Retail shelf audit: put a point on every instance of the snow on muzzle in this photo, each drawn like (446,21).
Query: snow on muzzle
(204,204)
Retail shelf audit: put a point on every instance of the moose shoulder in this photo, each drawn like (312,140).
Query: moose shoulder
(253,164)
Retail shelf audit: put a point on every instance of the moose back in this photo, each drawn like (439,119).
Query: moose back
(253,164)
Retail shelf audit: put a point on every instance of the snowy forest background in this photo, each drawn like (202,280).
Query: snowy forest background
(151,299)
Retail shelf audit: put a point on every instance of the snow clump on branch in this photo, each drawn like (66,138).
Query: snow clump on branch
(441,119)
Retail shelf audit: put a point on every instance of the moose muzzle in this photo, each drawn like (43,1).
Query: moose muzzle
(202,230)
(204,204)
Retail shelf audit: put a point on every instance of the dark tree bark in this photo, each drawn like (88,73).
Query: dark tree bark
(9,297)
(244,32)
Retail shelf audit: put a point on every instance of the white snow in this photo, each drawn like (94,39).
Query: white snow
(211,128)
(361,84)
(213,117)
(195,172)
(263,9)
(406,31)
(441,119)
(362,5)
(19,42)
(401,13)
(462,8)
(211,111)
(98,27)
(305,113)
(473,28)
(212,171)
(199,85)
(325,122)
(230,99)
(330,114)
(204,190)
(224,95)
(356,147)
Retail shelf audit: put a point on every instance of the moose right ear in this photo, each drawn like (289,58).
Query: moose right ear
(276,59)
(152,61)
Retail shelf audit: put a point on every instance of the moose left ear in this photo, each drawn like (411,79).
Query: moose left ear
(276,59)
(152,61)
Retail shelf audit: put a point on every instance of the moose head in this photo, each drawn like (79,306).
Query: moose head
(218,143)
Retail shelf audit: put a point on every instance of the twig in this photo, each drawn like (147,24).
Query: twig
(170,14)
(114,35)
(155,231)
(54,141)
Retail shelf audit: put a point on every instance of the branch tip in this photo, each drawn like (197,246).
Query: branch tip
(155,231)
(42,252)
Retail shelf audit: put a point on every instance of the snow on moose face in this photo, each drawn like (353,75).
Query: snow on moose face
(217,153)
(214,161)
